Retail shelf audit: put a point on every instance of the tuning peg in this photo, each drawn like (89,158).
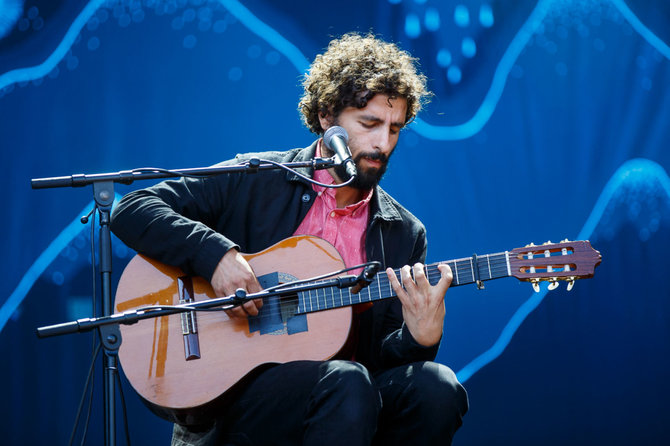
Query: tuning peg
(554,284)
(571,283)
(565,241)
(536,285)
(548,242)
(530,245)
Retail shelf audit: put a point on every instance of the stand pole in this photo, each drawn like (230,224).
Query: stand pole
(104,198)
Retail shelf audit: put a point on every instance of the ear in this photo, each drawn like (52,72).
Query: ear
(326,121)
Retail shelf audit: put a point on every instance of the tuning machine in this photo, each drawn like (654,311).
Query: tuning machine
(536,284)
(571,282)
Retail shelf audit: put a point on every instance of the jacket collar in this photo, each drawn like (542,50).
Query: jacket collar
(305,154)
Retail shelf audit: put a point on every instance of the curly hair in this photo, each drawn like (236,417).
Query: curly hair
(352,71)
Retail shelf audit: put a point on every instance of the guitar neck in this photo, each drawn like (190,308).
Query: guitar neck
(465,271)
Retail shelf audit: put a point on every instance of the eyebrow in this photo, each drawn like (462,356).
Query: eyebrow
(374,118)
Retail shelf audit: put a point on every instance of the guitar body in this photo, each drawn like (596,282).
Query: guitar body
(153,352)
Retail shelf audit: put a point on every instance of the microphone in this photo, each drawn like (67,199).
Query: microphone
(336,139)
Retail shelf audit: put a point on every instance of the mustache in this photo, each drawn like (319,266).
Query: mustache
(377,156)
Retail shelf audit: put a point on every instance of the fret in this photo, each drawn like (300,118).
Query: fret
(318,299)
(322,293)
(495,265)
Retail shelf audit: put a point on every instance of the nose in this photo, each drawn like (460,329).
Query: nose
(384,141)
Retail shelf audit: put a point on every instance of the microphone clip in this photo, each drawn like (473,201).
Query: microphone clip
(366,277)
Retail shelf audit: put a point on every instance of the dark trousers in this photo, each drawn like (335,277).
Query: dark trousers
(315,403)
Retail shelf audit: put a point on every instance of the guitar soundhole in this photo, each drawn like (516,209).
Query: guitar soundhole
(278,314)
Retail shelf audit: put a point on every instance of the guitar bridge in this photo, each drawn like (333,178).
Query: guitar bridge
(189,323)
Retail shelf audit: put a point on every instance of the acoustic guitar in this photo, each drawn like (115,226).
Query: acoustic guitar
(184,365)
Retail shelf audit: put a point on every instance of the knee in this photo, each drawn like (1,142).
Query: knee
(436,387)
(349,385)
(348,377)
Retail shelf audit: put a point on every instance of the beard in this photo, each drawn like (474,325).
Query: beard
(365,179)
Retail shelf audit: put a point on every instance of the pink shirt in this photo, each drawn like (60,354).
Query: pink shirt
(344,228)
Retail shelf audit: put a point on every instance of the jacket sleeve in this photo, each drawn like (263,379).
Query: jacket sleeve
(174,222)
(398,345)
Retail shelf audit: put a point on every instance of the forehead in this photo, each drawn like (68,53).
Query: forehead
(381,108)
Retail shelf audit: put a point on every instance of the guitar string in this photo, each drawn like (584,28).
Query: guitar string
(462,275)
(496,265)
(327,300)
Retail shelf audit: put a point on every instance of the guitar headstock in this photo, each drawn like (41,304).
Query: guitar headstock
(554,262)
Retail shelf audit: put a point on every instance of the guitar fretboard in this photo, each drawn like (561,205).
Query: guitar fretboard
(465,271)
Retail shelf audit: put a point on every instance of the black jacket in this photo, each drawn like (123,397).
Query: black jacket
(192,223)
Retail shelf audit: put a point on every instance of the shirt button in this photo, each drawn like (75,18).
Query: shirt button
(332,214)
(305,198)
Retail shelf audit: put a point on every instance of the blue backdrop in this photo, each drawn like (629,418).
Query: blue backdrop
(549,121)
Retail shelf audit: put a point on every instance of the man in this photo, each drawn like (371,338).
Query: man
(392,393)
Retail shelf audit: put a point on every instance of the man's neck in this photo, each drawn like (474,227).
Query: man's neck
(344,196)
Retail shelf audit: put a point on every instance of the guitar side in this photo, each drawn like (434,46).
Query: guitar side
(153,355)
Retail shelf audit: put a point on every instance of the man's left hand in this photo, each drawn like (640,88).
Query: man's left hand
(422,303)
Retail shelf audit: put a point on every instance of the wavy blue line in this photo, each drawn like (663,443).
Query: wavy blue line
(637,165)
(634,166)
(267,33)
(493,95)
(40,265)
(638,26)
(300,62)
(41,70)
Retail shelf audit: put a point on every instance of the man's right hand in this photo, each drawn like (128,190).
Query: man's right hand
(234,272)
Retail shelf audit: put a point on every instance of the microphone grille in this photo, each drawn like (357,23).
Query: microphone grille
(334,131)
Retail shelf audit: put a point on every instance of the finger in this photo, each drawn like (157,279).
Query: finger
(393,279)
(446,276)
(397,287)
(236,313)
(420,275)
(407,281)
(250,308)
(253,286)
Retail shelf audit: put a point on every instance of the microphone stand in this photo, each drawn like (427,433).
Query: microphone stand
(103,193)
(110,323)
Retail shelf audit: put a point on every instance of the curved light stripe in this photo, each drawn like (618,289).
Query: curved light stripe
(40,265)
(293,54)
(638,26)
(488,105)
(636,166)
(41,70)
(267,33)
